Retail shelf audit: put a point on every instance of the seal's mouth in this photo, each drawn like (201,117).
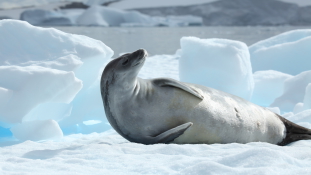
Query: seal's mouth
(139,57)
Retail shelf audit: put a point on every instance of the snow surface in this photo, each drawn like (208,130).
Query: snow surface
(109,153)
(292,49)
(218,63)
(28,53)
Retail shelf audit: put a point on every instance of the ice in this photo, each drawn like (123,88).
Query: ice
(307,98)
(218,63)
(26,87)
(275,110)
(268,86)
(48,74)
(45,17)
(298,108)
(294,92)
(104,16)
(37,130)
(291,49)
(302,118)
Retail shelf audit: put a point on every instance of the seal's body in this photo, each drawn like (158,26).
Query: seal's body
(165,110)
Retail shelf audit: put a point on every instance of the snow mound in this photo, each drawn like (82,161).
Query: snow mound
(104,16)
(268,86)
(218,63)
(294,92)
(288,52)
(37,130)
(45,17)
(42,72)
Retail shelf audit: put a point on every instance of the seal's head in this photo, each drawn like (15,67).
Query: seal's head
(125,67)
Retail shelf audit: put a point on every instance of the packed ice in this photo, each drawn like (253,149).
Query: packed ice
(52,119)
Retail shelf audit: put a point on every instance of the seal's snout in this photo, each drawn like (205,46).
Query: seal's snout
(140,53)
(138,56)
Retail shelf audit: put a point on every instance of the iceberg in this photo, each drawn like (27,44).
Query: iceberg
(268,86)
(37,130)
(49,75)
(105,16)
(294,92)
(45,17)
(288,52)
(217,63)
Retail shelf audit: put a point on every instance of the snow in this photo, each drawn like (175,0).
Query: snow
(291,48)
(294,92)
(109,153)
(268,86)
(218,63)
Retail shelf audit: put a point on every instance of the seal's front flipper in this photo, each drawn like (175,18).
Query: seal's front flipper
(174,83)
(169,135)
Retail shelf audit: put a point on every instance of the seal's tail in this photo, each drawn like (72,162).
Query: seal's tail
(294,132)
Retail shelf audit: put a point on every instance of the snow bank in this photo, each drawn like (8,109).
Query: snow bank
(268,86)
(294,92)
(218,63)
(104,16)
(288,52)
(42,72)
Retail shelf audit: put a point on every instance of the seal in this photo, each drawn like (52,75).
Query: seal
(162,110)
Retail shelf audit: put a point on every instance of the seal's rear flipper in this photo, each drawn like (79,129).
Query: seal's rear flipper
(169,135)
(174,83)
(294,132)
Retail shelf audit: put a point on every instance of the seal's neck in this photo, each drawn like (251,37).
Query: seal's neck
(126,84)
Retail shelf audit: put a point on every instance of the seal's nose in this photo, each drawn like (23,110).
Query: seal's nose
(140,53)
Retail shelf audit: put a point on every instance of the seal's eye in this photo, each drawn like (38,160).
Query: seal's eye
(125,62)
